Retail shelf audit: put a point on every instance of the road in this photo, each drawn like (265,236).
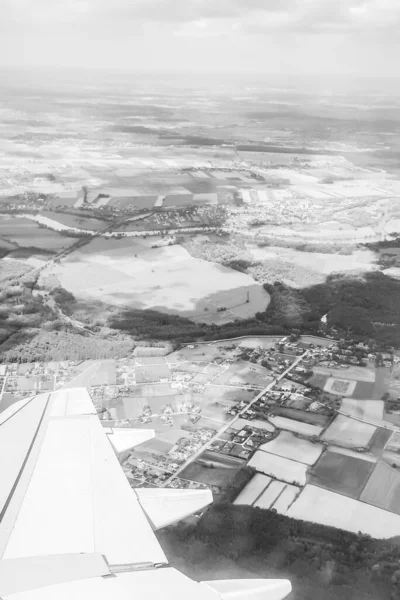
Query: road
(235,418)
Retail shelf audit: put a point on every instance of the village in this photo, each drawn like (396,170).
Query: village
(218,407)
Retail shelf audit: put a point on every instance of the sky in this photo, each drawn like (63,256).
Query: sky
(303,37)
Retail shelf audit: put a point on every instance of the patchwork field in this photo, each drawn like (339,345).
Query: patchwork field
(383,488)
(270,494)
(328,508)
(131,273)
(253,489)
(286,498)
(343,474)
(289,446)
(279,468)
(349,432)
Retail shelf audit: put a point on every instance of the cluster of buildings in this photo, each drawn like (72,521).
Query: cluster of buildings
(151,467)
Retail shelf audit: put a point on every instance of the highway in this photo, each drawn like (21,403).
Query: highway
(235,418)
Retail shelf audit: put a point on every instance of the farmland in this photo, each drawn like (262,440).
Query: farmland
(253,489)
(279,468)
(329,508)
(383,488)
(343,474)
(270,494)
(348,432)
(25,233)
(127,273)
(76,221)
(367,410)
(289,446)
(219,474)
(296,426)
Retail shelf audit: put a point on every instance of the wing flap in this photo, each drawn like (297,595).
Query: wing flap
(164,506)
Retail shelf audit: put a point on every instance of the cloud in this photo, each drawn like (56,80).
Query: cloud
(246,15)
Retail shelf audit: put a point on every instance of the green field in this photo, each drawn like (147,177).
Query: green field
(343,474)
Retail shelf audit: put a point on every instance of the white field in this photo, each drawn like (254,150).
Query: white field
(269,496)
(368,410)
(130,273)
(289,446)
(328,508)
(253,489)
(317,261)
(279,468)
(349,432)
(297,426)
(286,498)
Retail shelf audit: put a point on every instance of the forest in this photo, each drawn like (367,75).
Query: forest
(321,562)
(367,306)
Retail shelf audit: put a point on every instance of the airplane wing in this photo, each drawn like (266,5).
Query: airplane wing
(70,524)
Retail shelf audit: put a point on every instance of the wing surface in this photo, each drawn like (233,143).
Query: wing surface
(70,524)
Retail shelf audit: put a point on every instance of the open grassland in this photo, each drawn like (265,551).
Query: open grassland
(279,468)
(288,445)
(349,432)
(168,279)
(365,410)
(318,505)
(343,474)
(383,488)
